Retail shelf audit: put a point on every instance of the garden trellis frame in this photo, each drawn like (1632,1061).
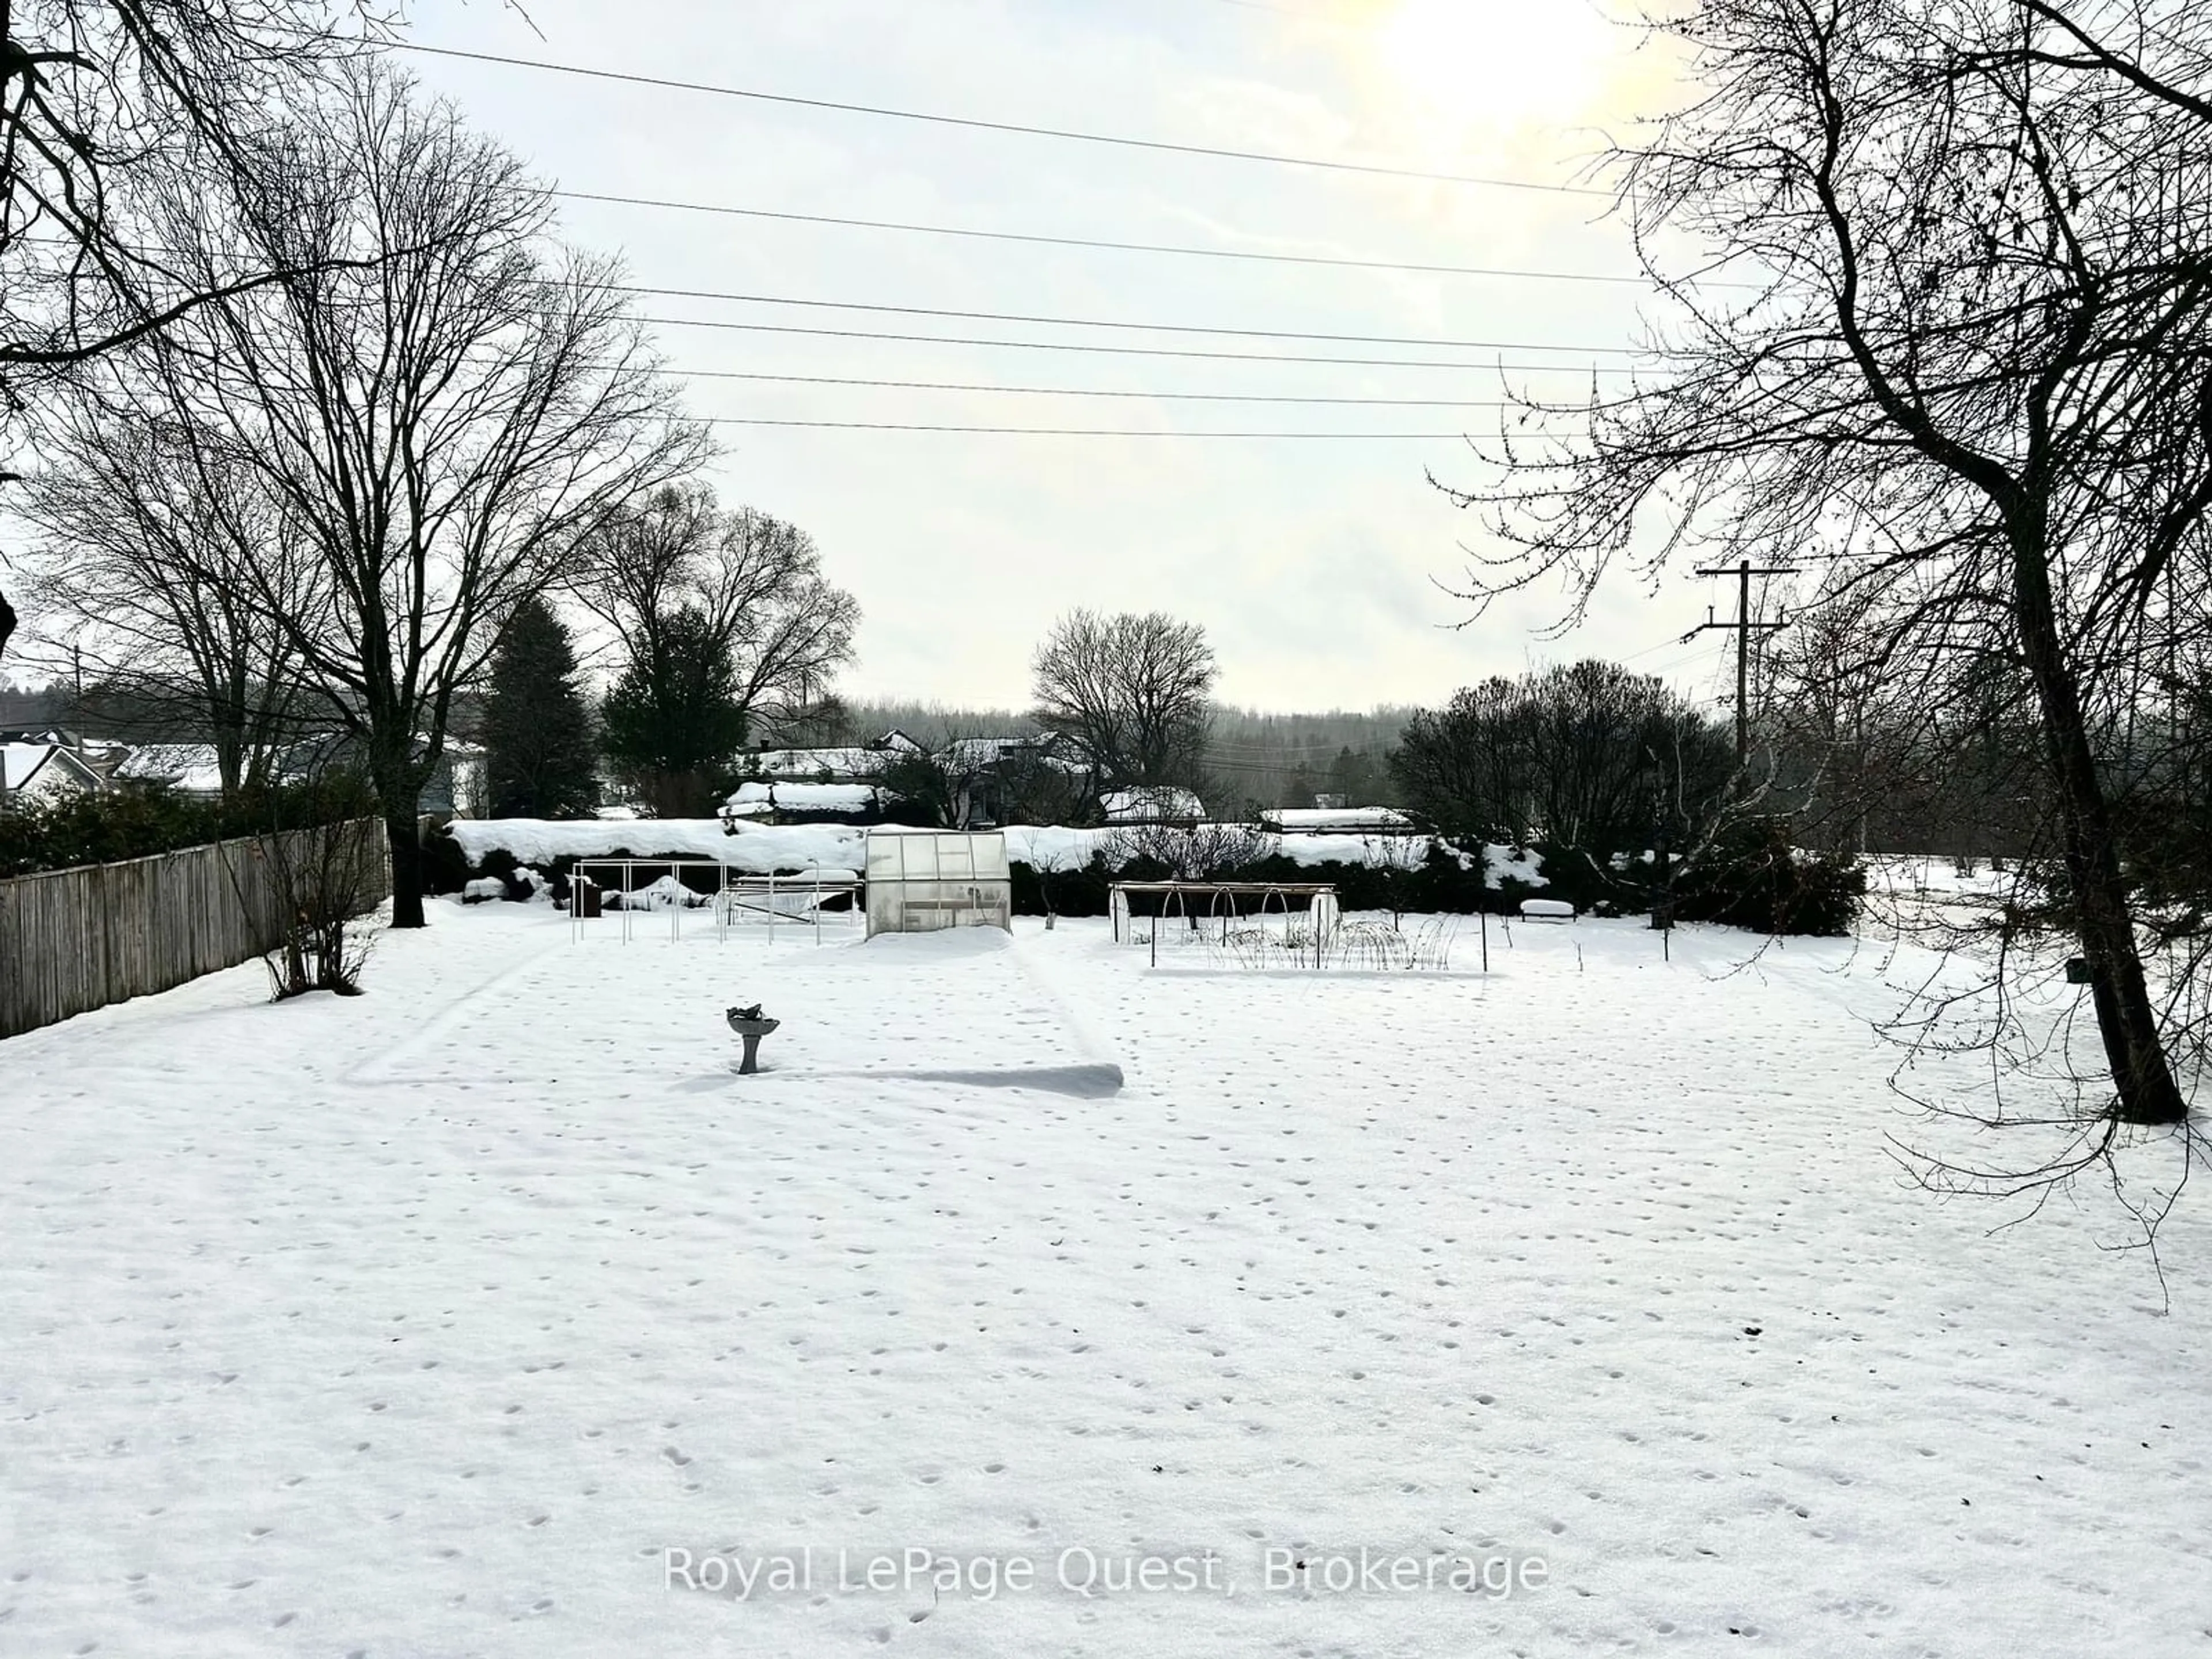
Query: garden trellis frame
(735,895)
(1224,901)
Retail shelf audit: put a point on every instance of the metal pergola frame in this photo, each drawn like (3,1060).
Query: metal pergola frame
(735,893)
(1268,893)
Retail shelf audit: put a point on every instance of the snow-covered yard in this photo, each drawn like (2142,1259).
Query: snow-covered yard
(430,1323)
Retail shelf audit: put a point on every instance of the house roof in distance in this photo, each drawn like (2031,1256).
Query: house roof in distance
(844,763)
(191,767)
(759,799)
(1151,805)
(22,762)
(1337,820)
(981,754)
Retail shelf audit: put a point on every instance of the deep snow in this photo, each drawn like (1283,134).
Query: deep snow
(424,1323)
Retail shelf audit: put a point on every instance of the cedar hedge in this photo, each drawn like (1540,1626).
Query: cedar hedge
(1750,876)
(81,827)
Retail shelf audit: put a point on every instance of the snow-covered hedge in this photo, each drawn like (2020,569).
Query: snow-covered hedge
(760,849)
(1753,882)
(1056,847)
(755,848)
(1384,871)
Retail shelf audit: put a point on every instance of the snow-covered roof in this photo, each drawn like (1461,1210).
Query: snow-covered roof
(191,767)
(756,800)
(1151,806)
(47,764)
(839,765)
(842,764)
(20,762)
(973,754)
(1338,820)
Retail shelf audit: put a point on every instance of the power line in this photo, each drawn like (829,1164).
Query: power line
(1142,328)
(1121,140)
(1744,628)
(1107,350)
(1100,242)
(1094,392)
(1014,236)
(1077,431)
(1098,392)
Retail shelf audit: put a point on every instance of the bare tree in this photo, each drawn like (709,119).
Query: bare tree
(95,95)
(1586,755)
(1133,692)
(1032,783)
(1197,852)
(443,401)
(1961,366)
(964,779)
(749,587)
(314,866)
(160,551)
(931,788)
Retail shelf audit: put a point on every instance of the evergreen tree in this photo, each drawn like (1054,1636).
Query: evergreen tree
(676,715)
(537,726)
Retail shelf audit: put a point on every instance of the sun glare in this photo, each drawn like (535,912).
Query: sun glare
(1467,64)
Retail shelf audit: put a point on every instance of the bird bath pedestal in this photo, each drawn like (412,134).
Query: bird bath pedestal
(749,1024)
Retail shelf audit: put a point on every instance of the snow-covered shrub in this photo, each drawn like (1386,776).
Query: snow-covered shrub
(1443,878)
(444,866)
(1751,876)
(323,862)
(1199,851)
(1079,891)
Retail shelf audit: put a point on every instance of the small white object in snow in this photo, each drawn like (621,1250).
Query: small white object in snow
(1546,910)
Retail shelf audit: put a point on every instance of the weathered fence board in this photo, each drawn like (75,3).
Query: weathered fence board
(73,940)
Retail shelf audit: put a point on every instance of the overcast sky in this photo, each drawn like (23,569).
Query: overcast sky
(1313,564)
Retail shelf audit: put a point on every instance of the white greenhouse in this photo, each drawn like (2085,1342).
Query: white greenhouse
(922,880)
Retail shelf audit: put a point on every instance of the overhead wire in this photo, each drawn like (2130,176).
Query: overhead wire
(1100,391)
(938,118)
(1176,248)
(1096,392)
(1093,347)
(1071,432)
(1428,342)
(1073,135)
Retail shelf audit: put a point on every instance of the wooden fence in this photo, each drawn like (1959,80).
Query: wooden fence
(73,940)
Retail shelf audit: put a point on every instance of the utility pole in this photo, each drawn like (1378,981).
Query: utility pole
(1744,627)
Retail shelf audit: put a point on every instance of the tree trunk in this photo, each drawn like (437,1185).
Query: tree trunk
(402,830)
(2126,1020)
